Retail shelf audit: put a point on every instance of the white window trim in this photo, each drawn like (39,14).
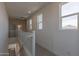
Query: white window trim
(30,25)
(40,22)
(60,17)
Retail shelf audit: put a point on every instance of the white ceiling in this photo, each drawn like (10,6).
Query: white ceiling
(20,9)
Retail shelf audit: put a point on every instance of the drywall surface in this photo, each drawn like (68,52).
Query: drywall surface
(58,41)
(3,30)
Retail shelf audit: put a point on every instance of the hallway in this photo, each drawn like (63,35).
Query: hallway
(39,28)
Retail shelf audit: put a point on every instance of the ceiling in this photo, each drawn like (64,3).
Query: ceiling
(21,9)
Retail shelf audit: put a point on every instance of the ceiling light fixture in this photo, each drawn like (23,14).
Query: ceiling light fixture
(29,12)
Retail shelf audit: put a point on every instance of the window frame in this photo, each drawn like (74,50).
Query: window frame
(60,17)
(30,24)
(38,23)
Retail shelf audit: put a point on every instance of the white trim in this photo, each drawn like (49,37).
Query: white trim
(30,24)
(39,22)
(60,17)
(33,44)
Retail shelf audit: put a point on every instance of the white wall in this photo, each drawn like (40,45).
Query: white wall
(3,30)
(60,42)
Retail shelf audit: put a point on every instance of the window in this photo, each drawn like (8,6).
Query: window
(30,24)
(69,15)
(19,27)
(40,21)
(69,22)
